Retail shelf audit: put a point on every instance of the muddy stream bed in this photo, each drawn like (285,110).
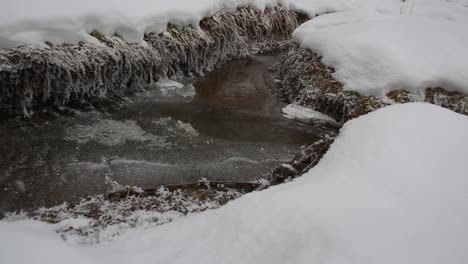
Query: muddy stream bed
(226,125)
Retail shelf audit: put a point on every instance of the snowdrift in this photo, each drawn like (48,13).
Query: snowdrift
(47,48)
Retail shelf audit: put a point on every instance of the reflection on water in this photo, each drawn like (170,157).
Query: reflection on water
(227,125)
(236,89)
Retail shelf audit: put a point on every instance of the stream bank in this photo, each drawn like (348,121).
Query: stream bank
(225,126)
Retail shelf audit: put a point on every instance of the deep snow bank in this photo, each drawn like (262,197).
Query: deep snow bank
(37,76)
(391,189)
(391,45)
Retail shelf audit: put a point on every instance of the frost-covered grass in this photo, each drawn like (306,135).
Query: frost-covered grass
(101,218)
(375,46)
(391,189)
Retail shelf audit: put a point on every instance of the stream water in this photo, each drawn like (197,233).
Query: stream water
(224,126)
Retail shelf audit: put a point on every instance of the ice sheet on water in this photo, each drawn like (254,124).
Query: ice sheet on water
(391,189)
(113,133)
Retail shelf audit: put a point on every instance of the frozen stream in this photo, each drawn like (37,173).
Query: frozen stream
(226,126)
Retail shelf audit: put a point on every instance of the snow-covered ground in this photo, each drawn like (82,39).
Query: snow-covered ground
(391,189)
(389,45)
(374,45)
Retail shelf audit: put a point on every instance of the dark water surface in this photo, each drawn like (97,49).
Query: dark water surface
(226,126)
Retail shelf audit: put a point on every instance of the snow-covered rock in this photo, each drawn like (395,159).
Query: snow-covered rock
(391,189)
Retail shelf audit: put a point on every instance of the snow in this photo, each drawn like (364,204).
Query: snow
(389,45)
(71,21)
(34,242)
(391,189)
(304,114)
(97,219)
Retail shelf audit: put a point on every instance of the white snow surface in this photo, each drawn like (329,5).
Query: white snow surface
(385,45)
(393,188)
